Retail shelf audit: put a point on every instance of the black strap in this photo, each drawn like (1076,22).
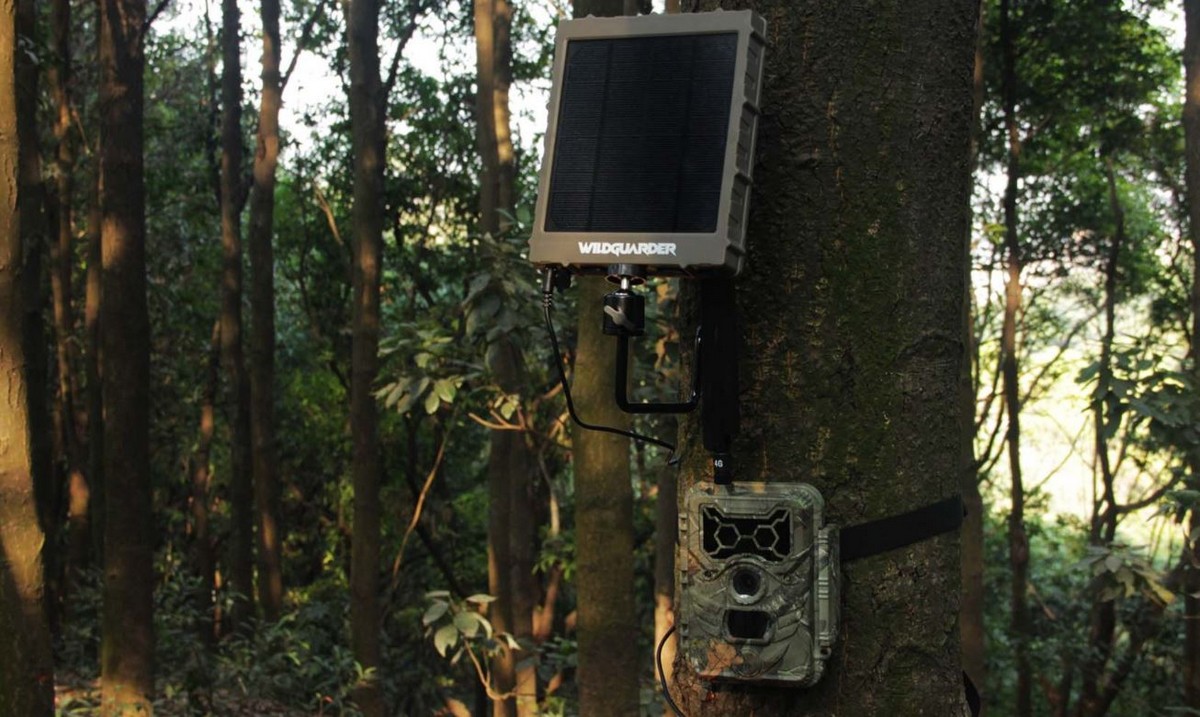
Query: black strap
(720,416)
(897,531)
(974,701)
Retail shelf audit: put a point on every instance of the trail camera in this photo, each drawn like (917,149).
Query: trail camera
(759,583)
(650,144)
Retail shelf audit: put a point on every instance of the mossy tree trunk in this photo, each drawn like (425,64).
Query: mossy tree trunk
(851,309)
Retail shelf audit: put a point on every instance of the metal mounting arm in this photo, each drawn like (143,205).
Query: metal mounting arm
(622,380)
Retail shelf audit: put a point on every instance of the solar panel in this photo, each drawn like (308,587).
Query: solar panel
(649,149)
(642,128)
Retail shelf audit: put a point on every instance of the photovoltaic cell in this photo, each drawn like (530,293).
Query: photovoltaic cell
(642,128)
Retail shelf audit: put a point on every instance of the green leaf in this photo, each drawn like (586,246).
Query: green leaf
(432,402)
(435,612)
(1160,593)
(1112,563)
(481,599)
(445,389)
(445,638)
(467,623)
(437,595)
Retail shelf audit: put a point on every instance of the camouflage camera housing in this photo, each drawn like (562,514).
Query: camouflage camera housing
(759,581)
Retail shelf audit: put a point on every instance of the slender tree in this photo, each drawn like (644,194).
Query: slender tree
(35,234)
(971,614)
(1191,128)
(851,313)
(511,523)
(262,324)
(241,493)
(607,624)
(499,480)
(203,561)
(26,671)
(1018,541)
(127,651)
(367,128)
(91,321)
(62,264)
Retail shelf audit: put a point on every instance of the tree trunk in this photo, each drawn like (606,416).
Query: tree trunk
(262,325)
(62,260)
(203,561)
(34,235)
(609,663)
(1018,542)
(127,651)
(367,107)
(500,444)
(511,527)
(1102,614)
(851,308)
(241,483)
(1191,125)
(26,670)
(92,372)
(971,611)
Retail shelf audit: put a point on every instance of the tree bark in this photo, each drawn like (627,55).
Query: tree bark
(92,372)
(34,235)
(1018,541)
(367,121)
(971,626)
(1191,126)
(241,483)
(851,309)
(26,670)
(607,627)
(262,325)
(499,481)
(511,526)
(127,651)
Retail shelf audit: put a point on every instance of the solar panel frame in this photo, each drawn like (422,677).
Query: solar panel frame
(719,251)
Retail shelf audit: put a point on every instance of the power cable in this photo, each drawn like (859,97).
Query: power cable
(547,308)
(662,676)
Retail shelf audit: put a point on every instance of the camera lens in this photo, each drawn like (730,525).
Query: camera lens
(746,582)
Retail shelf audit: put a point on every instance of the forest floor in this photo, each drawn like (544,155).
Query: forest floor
(79,696)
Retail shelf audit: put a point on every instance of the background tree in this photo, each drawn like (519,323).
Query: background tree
(262,312)
(367,117)
(511,523)
(26,670)
(608,654)
(128,642)
(1191,125)
(241,493)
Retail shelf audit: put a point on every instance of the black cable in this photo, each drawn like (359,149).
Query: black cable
(662,676)
(547,307)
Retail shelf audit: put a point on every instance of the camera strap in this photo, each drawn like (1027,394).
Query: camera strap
(898,531)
